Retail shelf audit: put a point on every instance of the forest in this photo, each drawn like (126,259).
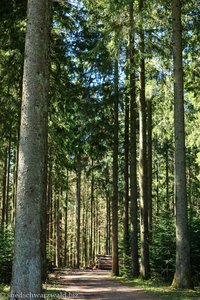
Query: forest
(99,139)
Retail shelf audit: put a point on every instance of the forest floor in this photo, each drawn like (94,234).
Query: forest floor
(99,285)
(92,284)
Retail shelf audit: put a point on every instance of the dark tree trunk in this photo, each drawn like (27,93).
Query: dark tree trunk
(149,162)
(49,205)
(4,186)
(126,188)
(44,221)
(66,222)
(8,182)
(58,231)
(144,229)
(167,177)
(108,224)
(182,277)
(14,186)
(91,216)
(78,211)
(115,263)
(133,154)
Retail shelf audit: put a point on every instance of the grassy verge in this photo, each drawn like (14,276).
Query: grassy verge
(4,291)
(159,288)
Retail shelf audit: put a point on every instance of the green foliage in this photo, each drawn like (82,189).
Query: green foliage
(163,247)
(6,253)
(195,246)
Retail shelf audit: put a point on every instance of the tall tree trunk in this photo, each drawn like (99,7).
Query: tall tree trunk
(66,222)
(115,262)
(157,186)
(108,212)
(149,162)
(126,188)
(14,186)
(78,211)
(4,186)
(107,223)
(58,230)
(49,205)
(167,207)
(182,277)
(44,220)
(144,229)
(8,182)
(133,153)
(91,215)
(51,223)
(27,263)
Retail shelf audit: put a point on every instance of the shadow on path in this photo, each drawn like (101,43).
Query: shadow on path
(96,285)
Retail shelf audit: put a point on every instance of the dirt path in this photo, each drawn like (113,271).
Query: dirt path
(94,285)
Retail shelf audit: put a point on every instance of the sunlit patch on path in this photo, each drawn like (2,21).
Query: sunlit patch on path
(97,285)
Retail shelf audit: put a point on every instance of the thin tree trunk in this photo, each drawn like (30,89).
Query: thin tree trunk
(149,162)
(14,187)
(66,222)
(126,188)
(49,205)
(144,229)
(58,231)
(167,177)
(27,263)
(108,212)
(91,216)
(157,187)
(115,262)
(4,186)
(44,220)
(133,154)
(78,212)
(8,182)
(182,277)
(51,221)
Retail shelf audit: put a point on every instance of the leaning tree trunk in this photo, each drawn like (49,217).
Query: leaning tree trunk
(182,277)
(27,263)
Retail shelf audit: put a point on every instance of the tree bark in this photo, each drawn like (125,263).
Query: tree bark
(115,262)
(133,154)
(58,229)
(66,255)
(126,188)
(144,229)
(27,263)
(91,215)
(149,162)
(8,182)
(182,277)
(78,211)
(4,186)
